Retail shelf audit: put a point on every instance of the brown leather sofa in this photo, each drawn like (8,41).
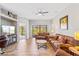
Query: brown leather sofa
(61,42)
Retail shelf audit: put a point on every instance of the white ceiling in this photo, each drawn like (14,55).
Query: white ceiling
(28,10)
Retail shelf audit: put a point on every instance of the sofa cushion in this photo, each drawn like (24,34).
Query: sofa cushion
(56,44)
(61,39)
(70,40)
(65,45)
(43,34)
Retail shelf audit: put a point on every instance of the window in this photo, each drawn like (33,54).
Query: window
(38,29)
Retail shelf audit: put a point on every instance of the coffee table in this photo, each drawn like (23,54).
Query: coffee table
(41,44)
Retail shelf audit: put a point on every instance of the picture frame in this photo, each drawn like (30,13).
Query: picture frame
(64,22)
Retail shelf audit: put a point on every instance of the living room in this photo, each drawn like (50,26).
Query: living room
(39,29)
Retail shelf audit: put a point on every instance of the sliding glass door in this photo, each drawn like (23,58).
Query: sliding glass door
(38,29)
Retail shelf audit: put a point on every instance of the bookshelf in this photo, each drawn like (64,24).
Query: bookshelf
(8,20)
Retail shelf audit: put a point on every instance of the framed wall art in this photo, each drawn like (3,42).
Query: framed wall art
(64,22)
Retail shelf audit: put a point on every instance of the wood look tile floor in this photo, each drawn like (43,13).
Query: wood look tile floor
(28,48)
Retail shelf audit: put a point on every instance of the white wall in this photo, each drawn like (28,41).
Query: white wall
(40,22)
(73,20)
(27,29)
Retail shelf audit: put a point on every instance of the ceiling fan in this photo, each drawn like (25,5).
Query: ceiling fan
(42,12)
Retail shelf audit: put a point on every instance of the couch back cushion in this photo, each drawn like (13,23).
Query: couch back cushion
(61,39)
(70,40)
(43,34)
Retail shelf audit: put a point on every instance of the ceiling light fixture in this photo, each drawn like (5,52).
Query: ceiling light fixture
(42,12)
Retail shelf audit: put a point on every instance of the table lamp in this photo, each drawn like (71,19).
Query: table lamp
(77,35)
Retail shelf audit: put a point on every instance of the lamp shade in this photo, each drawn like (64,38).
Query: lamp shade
(77,35)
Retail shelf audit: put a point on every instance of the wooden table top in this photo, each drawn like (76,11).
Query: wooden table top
(41,41)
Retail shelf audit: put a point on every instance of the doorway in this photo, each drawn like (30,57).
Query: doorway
(22,31)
